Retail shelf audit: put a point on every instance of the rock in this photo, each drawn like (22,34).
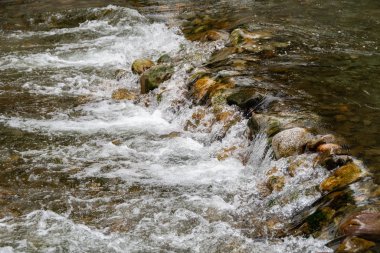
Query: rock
(139,66)
(331,162)
(273,127)
(245,98)
(330,148)
(202,86)
(171,135)
(165,58)
(223,116)
(221,55)
(253,127)
(365,224)
(354,245)
(320,218)
(319,140)
(206,87)
(275,183)
(341,177)
(212,35)
(290,142)
(120,73)
(123,93)
(153,77)
(241,36)
(225,153)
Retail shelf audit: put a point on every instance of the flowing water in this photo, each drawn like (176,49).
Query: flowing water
(81,172)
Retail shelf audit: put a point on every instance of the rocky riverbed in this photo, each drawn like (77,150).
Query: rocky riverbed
(170,131)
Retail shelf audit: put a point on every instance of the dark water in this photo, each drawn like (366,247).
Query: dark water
(62,176)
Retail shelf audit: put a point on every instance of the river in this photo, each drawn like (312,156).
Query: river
(81,172)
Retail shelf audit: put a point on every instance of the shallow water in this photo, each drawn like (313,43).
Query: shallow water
(82,172)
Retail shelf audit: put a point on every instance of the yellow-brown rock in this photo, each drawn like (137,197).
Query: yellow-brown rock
(212,35)
(121,94)
(202,86)
(140,65)
(341,177)
(354,245)
(329,148)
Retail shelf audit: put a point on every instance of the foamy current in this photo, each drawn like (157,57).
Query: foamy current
(137,186)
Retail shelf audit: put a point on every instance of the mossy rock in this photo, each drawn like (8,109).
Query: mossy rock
(165,58)
(139,66)
(341,177)
(153,77)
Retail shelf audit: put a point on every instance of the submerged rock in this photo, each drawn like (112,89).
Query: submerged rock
(123,93)
(241,36)
(341,177)
(153,77)
(290,142)
(365,224)
(139,66)
(354,245)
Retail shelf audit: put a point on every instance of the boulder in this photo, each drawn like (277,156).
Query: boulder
(290,142)
(341,177)
(354,244)
(123,93)
(153,77)
(139,66)
(365,224)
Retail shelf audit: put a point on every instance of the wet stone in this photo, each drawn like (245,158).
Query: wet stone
(354,245)
(165,58)
(245,98)
(153,77)
(141,65)
(365,224)
(121,94)
(290,142)
(331,162)
(341,177)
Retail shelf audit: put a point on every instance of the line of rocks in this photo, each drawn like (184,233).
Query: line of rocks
(352,218)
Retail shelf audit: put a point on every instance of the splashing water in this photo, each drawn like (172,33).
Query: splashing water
(110,176)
